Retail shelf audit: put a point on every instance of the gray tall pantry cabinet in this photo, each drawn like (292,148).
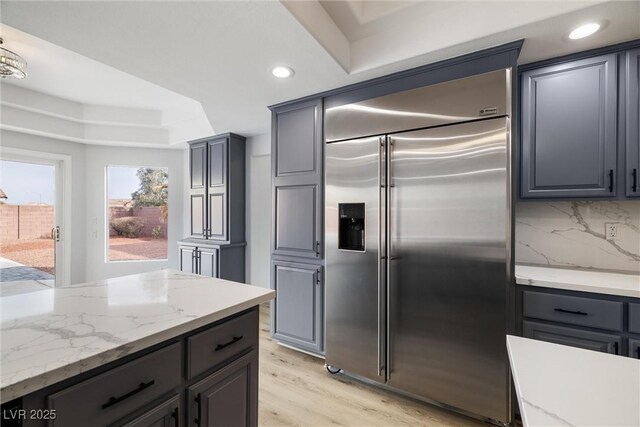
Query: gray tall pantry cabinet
(297,230)
(216,244)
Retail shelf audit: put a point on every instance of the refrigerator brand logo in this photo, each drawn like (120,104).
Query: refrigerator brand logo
(488,111)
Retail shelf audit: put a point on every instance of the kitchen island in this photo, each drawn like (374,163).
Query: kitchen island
(132,350)
(558,385)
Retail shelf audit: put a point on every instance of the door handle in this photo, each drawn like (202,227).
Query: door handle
(55,234)
(610,180)
(198,400)
(634,180)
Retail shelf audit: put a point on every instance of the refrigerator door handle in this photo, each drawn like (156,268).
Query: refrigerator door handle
(382,182)
(388,251)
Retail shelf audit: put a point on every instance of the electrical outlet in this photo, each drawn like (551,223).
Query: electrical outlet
(611,230)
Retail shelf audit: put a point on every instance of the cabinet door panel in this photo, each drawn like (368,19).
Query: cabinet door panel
(197,165)
(296,228)
(297,309)
(197,215)
(217,162)
(187,259)
(217,216)
(227,398)
(296,136)
(632,143)
(587,340)
(569,133)
(208,260)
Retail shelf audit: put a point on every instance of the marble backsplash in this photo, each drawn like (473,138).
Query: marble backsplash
(572,234)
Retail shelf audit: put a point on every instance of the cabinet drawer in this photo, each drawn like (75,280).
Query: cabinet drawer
(574,310)
(634,318)
(120,391)
(213,346)
(166,414)
(587,340)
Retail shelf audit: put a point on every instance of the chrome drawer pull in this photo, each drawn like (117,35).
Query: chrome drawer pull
(561,310)
(113,400)
(233,341)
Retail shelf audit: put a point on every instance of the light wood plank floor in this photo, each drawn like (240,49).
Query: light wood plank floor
(296,390)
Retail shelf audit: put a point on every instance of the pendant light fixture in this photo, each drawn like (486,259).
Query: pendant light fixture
(12,65)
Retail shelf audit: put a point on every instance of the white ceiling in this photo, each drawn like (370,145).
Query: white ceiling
(220,53)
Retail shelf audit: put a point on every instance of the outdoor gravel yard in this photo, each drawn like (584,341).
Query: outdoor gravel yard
(38,253)
(123,248)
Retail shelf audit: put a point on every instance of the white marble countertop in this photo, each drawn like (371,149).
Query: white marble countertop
(559,385)
(600,282)
(54,334)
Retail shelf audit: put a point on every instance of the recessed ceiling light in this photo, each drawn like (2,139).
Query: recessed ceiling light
(584,31)
(282,72)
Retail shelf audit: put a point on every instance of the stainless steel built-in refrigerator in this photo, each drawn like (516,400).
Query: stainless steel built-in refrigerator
(418,242)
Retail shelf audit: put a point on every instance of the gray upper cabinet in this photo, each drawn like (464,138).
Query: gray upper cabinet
(217,193)
(569,129)
(297,150)
(632,140)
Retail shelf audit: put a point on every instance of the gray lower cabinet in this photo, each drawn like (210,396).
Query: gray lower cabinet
(225,261)
(632,140)
(196,260)
(297,311)
(605,323)
(588,340)
(569,129)
(166,414)
(227,398)
(220,387)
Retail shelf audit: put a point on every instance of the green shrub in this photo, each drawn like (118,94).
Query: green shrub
(127,226)
(156,232)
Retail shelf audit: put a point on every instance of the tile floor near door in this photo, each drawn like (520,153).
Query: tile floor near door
(296,390)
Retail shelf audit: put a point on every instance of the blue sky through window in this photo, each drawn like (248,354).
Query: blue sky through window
(25,183)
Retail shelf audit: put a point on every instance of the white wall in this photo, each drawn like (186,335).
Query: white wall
(258,215)
(78,202)
(89,200)
(97,159)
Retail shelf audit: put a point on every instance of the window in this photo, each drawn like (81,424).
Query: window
(137,213)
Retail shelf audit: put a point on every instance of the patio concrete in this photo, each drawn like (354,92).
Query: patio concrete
(16,278)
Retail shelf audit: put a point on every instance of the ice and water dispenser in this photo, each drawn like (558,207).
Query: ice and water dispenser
(351,228)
